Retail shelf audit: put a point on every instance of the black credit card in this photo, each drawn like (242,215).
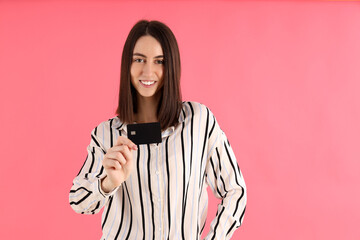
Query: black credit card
(144,133)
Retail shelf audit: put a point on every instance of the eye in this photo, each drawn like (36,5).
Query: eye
(159,61)
(139,60)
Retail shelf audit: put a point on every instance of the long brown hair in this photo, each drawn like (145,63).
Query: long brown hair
(170,104)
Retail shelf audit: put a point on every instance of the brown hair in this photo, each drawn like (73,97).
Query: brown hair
(170,104)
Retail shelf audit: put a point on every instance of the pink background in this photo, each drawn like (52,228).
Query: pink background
(282,78)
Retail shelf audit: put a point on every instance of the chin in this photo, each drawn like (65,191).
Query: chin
(147,95)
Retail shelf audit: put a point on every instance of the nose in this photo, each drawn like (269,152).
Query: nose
(147,69)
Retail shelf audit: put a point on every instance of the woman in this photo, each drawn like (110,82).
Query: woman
(158,191)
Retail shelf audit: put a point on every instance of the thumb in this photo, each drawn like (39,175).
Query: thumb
(125,141)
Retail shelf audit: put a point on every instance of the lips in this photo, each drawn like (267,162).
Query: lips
(147,83)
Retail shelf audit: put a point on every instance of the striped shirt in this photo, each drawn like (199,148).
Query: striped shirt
(165,196)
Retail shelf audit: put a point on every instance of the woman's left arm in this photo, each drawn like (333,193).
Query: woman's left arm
(224,177)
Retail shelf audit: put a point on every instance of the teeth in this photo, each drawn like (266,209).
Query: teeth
(147,82)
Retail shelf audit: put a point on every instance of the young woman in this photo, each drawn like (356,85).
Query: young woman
(158,191)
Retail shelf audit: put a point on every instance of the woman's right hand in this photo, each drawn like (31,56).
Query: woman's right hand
(118,163)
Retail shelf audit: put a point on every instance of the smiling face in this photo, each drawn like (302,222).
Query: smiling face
(147,67)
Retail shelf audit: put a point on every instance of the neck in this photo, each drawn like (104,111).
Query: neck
(147,109)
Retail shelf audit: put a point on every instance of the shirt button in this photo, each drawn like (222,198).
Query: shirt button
(157,172)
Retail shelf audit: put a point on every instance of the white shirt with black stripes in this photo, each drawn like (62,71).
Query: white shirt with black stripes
(165,197)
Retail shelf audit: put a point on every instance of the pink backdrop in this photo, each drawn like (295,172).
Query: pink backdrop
(282,78)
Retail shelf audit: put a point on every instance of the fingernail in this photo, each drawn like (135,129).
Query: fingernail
(135,147)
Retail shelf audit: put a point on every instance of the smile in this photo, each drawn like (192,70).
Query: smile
(147,82)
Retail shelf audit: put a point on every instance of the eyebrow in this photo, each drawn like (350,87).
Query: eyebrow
(142,55)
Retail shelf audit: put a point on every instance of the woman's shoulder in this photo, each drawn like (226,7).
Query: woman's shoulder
(196,108)
(107,125)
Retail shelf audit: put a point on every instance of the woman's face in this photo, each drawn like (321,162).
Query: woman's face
(147,66)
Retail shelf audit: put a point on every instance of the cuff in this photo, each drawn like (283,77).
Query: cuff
(104,193)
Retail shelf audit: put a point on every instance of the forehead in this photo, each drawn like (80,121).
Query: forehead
(148,46)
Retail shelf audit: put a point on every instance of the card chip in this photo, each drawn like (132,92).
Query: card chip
(133,132)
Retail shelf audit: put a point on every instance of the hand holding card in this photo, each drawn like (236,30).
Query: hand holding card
(118,163)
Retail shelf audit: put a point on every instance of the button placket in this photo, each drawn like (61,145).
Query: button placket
(157,195)
(158,173)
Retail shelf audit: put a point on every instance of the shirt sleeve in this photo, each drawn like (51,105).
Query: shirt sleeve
(86,195)
(226,181)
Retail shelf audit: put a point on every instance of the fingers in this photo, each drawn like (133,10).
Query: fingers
(127,153)
(116,155)
(111,163)
(122,154)
(118,163)
(125,141)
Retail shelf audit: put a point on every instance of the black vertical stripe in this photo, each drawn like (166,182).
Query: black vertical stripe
(218,191)
(202,229)
(213,126)
(150,191)
(204,145)
(93,137)
(236,178)
(212,167)
(222,180)
(131,214)
(202,182)
(168,180)
(92,162)
(93,159)
(183,111)
(217,223)
(197,231)
(102,167)
(111,133)
(111,145)
(191,133)
(239,170)
(107,212)
(232,226)
(216,178)
(238,201)
(96,207)
(222,200)
(184,174)
(95,141)
(122,214)
(184,211)
(219,159)
(232,164)
(101,171)
(191,150)
(201,177)
(140,193)
(119,135)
